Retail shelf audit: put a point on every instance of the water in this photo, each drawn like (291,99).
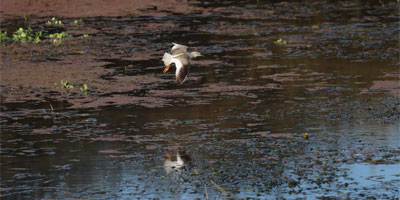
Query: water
(240,116)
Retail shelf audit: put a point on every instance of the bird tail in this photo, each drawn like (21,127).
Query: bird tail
(167,59)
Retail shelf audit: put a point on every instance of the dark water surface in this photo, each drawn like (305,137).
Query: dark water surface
(240,116)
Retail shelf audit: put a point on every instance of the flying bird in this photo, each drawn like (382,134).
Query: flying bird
(180,56)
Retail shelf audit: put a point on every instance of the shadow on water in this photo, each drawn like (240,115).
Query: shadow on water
(241,117)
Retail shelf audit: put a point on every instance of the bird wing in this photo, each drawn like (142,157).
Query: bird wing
(178,48)
(181,73)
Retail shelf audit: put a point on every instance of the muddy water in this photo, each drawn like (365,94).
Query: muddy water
(315,117)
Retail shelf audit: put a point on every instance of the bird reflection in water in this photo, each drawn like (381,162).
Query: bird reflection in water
(174,164)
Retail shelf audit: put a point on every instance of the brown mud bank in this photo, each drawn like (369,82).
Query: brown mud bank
(88,8)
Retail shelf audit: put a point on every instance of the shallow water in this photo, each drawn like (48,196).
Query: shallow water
(240,115)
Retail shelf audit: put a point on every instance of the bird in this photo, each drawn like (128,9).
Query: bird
(180,56)
(172,165)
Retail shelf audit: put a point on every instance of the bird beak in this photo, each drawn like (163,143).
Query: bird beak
(167,68)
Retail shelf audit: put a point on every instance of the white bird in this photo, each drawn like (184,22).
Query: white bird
(173,165)
(180,56)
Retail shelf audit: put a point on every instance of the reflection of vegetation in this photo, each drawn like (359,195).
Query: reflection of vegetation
(315,27)
(27,35)
(58,37)
(85,35)
(280,42)
(54,21)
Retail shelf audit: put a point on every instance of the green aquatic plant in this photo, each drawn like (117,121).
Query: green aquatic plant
(54,21)
(58,37)
(66,85)
(280,42)
(3,37)
(85,35)
(77,21)
(69,87)
(27,35)
(84,88)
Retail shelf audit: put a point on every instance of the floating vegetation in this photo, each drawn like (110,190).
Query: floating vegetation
(280,42)
(77,21)
(27,35)
(53,21)
(66,85)
(84,88)
(21,35)
(70,87)
(3,36)
(58,37)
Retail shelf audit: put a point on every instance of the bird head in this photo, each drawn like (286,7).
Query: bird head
(195,54)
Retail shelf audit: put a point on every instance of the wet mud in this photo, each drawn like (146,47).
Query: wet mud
(294,100)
